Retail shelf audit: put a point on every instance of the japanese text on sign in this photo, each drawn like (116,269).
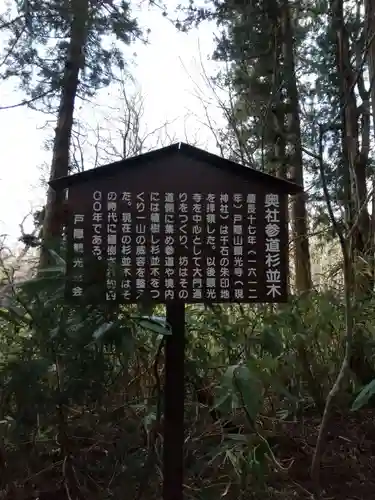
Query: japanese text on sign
(272,245)
(192,247)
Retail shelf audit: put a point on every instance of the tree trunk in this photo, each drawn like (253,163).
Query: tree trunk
(370,41)
(336,26)
(53,219)
(278,159)
(298,209)
(355,160)
(355,151)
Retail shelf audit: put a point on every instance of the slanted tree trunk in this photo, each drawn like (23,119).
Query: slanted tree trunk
(298,208)
(53,220)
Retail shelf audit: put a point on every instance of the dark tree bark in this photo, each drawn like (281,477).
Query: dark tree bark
(370,43)
(53,220)
(295,158)
(355,150)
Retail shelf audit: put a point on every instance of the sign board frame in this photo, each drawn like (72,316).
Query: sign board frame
(176,224)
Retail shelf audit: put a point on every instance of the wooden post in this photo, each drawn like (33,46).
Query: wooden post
(174,404)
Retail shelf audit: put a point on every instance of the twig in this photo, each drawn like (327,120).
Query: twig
(27,102)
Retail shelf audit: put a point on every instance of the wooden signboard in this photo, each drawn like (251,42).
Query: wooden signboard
(176,226)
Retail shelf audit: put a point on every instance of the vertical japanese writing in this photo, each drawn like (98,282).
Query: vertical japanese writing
(140,244)
(97,225)
(111,283)
(252,277)
(211,271)
(169,246)
(224,247)
(183,261)
(220,244)
(78,253)
(154,258)
(126,245)
(197,237)
(238,246)
(272,245)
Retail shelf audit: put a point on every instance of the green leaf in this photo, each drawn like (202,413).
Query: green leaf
(241,438)
(58,259)
(6,316)
(14,316)
(54,285)
(250,391)
(223,401)
(364,396)
(155,325)
(52,269)
(102,330)
(233,459)
(54,332)
(228,376)
(241,387)
(272,342)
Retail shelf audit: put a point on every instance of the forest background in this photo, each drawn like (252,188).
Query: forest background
(285,87)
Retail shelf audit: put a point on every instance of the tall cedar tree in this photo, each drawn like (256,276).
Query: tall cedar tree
(335,61)
(370,44)
(257,40)
(349,39)
(351,54)
(64,48)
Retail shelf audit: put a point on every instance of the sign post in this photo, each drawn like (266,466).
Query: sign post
(174,399)
(176,226)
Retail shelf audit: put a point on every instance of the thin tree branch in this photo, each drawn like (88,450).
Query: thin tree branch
(27,102)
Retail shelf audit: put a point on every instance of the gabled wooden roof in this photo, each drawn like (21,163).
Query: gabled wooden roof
(187,151)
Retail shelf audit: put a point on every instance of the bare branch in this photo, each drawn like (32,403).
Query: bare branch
(8,24)
(121,133)
(27,102)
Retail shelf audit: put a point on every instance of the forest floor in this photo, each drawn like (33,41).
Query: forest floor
(347,468)
(348,463)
